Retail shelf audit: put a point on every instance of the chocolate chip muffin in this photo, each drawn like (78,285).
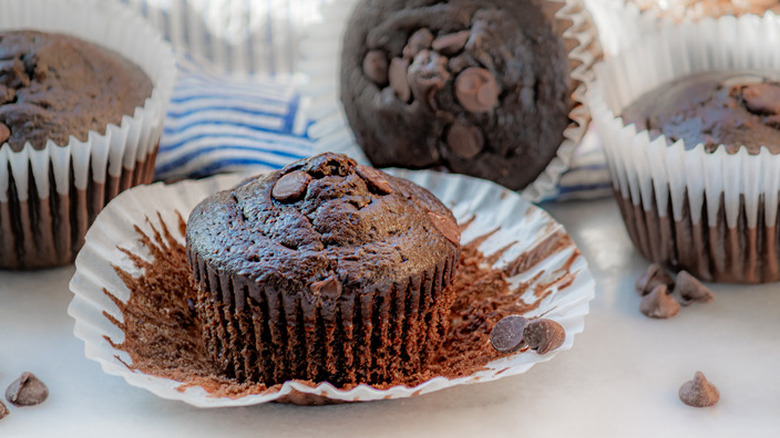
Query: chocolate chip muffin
(55,88)
(324,271)
(482,88)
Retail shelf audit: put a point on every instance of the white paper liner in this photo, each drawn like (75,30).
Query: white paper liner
(640,166)
(114,27)
(493,205)
(330,129)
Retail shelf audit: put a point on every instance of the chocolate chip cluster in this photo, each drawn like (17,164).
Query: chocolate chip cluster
(292,186)
(430,63)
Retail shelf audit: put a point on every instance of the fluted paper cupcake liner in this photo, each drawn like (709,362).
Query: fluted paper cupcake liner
(712,213)
(331,132)
(48,197)
(491,206)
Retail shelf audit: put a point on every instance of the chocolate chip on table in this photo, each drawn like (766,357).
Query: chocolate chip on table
(652,277)
(27,390)
(398,80)
(507,335)
(291,186)
(476,89)
(464,140)
(659,304)
(451,43)
(374,179)
(5,133)
(544,335)
(375,66)
(699,392)
(446,226)
(691,290)
(3,410)
(420,40)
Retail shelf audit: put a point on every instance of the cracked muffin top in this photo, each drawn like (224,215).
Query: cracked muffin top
(321,221)
(53,86)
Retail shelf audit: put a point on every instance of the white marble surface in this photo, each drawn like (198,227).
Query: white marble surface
(620,379)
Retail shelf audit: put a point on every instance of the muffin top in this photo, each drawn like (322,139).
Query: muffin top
(480,87)
(713,108)
(53,86)
(322,219)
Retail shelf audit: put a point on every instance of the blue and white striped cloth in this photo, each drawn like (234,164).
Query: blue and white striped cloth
(236,105)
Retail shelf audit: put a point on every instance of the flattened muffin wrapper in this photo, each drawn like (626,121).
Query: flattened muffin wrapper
(492,207)
(725,205)
(331,131)
(45,184)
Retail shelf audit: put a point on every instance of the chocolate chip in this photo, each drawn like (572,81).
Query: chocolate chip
(5,133)
(375,66)
(452,43)
(398,81)
(420,40)
(699,392)
(659,304)
(3,410)
(465,140)
(329,288)
(476,89)
(446,226)
(458,64)
(544,335)
(507,335)
(375,179)
(291,186)
(427,75)
(27,390)
(6,94)
(13,74)
(652,277)
(691,290)
(761,99)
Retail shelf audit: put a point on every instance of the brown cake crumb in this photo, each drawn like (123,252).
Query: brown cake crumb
(162,332)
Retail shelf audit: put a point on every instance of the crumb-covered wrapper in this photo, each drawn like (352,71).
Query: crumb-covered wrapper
(331,131)
(49,197)
(713,214)
(556,274)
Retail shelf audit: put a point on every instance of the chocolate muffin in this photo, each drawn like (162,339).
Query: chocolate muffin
(53,88)
(715,232)
(323,271)
(482,88)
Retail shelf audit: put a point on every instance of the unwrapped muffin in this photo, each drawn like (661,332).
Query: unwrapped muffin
(80,121)
(323,271)
(484,88)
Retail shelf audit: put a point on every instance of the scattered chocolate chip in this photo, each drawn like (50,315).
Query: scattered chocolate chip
(446,227)
(451,43)
(375,66)
(761,99)
(27,390)
(699,392)
(691,290)
(465,140)
(291,186)
(652,277)
(329,288)
(398,81)
(507,335)
(427,75)
(659,304)
(3,410)
(476,89)
(420,40)
(375,179)
(544,335)
(5,133)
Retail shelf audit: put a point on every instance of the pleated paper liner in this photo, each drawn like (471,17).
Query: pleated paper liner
(486,205)
(711,213)
(331,131)
(49,197)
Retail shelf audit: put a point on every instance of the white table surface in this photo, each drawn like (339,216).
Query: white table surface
(620,379)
